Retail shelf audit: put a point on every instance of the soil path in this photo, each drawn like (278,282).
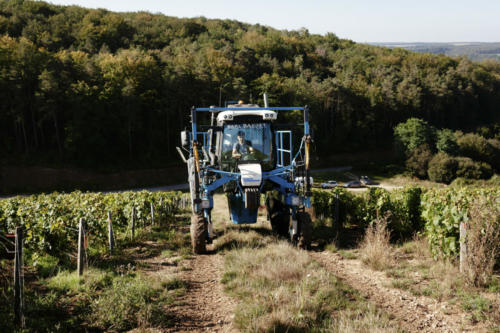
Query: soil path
(414,314)
(204,307)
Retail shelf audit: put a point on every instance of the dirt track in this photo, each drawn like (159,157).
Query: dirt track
(205,307)
(414,314)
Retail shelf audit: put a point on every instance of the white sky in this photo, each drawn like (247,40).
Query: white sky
(359,20)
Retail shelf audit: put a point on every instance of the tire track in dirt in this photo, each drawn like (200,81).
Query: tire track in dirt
(204,307)
(414,314)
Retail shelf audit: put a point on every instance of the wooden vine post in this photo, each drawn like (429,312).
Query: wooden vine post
(463,247)
(111,237)
(81,247)
(18,279)
(132,226)
(152,215)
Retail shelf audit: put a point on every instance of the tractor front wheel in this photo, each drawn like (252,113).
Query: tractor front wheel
(198,233)
(304,229)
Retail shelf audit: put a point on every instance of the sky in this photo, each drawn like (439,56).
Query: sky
(358,20)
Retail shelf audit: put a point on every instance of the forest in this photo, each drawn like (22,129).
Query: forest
(91,88)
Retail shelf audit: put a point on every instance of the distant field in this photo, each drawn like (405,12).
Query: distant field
(474,50)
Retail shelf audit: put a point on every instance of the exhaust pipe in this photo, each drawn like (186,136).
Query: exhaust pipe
(266,104)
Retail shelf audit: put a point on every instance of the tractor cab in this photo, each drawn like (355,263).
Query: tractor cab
(246,137)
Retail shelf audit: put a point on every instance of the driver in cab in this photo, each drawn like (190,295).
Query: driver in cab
(242,146)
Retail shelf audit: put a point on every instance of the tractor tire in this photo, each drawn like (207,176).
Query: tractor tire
(279,216)
(280,224)
(304,229)
(198,233)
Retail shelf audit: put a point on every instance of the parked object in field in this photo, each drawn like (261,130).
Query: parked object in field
(365,180)
(353,184)
(329,184)
(245,152)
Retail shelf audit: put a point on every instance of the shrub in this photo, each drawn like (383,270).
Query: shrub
(407,207)
(446,142)
(402,205)
(412,134)
(418,161)
(442,168)
(495,144)
(482,241)
(349,205)
(444,209)
(476,147)
(467,168)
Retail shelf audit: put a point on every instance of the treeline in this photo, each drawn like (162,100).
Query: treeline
(95,88)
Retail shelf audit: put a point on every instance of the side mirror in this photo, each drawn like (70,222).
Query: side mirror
(185,136)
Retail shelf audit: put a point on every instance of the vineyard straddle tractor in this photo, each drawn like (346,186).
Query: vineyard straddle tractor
(247,153)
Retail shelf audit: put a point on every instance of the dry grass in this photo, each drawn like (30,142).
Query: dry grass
(241,238)
(418,247)
(482,241)
(281,289)
(375,249)
(416,271)
(367,321)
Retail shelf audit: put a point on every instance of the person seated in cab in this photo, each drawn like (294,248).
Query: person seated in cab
(242,147)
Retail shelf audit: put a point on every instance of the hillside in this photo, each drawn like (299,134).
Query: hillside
(473,51)
(96,89)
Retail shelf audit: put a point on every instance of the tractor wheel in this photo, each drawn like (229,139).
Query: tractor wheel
(281,224)
(198,233)
(305,230)
(279,216)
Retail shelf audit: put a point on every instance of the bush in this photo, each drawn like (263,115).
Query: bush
(476,147)
(412,134)
(442,168)
(418,161)
(444,209)
(349,205)
(446,142)
(467,168)
(482,241)
(495,144)
(401,206)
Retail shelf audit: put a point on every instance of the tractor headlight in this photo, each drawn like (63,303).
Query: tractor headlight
(205,204)
(295,200)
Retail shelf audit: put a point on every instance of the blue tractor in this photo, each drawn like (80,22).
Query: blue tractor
(246,153)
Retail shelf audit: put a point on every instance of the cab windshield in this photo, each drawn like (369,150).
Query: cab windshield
(247,142)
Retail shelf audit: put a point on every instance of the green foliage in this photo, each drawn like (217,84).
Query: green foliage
(418,161)
(130,302)
(401,206)
(324,204)
(50,221)
(446,142)
(442,168)
(444,209)
(469,169)
(412,134)
(93,88)
(477,147)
